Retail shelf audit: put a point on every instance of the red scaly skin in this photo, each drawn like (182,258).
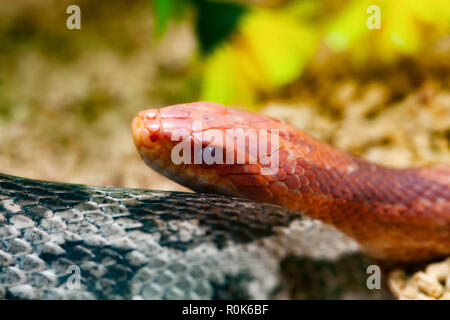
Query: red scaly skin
(397,215)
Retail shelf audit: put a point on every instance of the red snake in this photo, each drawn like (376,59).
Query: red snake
(396,215)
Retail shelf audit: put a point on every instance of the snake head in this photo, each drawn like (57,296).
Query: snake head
(208,147)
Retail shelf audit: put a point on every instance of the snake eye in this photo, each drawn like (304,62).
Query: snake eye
(209,150)
(212,155)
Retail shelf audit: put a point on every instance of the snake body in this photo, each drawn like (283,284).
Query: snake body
(64,241)
(397,215)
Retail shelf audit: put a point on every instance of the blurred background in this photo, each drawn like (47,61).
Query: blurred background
(67,96)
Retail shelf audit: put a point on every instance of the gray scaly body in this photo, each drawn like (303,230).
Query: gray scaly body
(64,241)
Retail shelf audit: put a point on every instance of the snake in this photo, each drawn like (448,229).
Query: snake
(397,215)
(308,229)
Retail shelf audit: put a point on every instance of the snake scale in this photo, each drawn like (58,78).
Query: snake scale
(64,241)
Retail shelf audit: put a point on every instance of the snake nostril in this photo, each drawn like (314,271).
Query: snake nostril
(154,136)
(152,130)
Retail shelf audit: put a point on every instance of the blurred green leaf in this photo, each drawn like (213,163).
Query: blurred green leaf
(270,50)
(304,10)
(164,11)
(222,80)
(216,21)
(348,26)
(279,45)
